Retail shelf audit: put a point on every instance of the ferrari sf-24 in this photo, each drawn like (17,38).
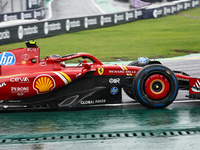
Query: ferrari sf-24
(30,83)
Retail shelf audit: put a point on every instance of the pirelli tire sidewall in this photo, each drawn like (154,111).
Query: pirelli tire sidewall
(139,83)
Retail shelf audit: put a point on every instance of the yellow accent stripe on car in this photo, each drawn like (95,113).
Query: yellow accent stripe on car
(66,76)
(125,68)
(62,77)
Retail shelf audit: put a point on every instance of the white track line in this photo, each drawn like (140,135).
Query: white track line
(137,103)
(187,101)
(50,10)
(97,6)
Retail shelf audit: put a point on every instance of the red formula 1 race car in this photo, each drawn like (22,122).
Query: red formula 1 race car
(28,83)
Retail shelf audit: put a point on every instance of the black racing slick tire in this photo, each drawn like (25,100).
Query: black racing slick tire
(155,86)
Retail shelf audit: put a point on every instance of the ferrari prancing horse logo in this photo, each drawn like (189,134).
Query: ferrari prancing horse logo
(100,71)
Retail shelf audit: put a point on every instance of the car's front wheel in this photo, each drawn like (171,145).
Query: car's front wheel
(155,86)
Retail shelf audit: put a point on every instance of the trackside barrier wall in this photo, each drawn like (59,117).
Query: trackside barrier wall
(169,8)
(41,29)
(29,14)
(35,9)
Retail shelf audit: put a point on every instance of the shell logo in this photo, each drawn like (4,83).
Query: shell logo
(43,83)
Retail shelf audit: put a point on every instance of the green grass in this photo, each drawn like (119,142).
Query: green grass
(128,41)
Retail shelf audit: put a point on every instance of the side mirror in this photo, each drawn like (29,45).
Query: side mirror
(85,64)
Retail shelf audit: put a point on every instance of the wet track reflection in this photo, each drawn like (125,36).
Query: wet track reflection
(96,121)
(105,120)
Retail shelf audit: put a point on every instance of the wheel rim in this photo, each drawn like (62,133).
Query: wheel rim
(157,87)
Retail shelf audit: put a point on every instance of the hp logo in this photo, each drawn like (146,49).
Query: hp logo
(7,58)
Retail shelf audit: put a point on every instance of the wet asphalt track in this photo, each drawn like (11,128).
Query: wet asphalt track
(80,8)
(122,127)
(74,8)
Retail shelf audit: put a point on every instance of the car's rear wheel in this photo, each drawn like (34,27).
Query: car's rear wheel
(155,86)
